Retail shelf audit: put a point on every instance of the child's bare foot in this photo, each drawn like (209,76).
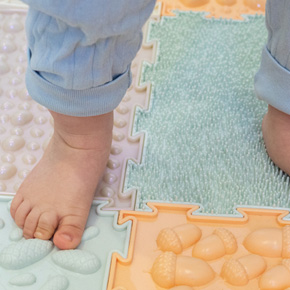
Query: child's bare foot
(276,132)
(56,197)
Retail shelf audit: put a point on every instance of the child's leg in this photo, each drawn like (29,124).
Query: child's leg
(59,191)
(79,68)
(276,132)
(272,83)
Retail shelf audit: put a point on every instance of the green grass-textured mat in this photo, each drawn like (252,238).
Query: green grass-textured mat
(203,129)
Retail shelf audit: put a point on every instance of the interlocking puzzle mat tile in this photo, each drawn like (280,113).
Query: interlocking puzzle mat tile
(13,3)
(35,264)
(26,127)
(233,9)
(203,139)
(175,246)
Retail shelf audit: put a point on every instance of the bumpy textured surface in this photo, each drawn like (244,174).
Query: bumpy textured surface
(90,233)
(78,261)
(228,239)
(41,265)
(23,280)
(167,240)
(286,242)
(24,253)
(56,283)
(234,273)
(286,263)
(163,270)
(256,259)
(203,139)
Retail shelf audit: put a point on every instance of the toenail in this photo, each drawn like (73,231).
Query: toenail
(38,235)
(67,237)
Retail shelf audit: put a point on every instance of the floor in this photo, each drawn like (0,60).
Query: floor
(156,241)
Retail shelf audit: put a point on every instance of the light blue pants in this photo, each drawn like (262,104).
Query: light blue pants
(272,82)
(80,53)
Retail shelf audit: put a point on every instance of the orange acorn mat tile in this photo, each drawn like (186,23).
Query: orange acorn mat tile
(216,8)
(175,247)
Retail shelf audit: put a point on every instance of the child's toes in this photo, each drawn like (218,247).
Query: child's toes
(16,201)
(69,232)
(46,226)
(31,223)
(22,212)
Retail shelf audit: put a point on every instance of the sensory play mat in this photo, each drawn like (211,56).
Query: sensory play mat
(189,199)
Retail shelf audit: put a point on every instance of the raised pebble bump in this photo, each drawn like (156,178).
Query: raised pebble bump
(4,118)
(12,94)
(15,81)
(120,123)
(23,173)
(24,253)
(78,261)
(40,120)
(16,235)
(29,159)
(107,192)
(110,178)
(122,109)
(24,106)
(118,136)
(21,118)
(7,46)
(36,132)
(21,58)
(19,70)
(7,171)
(33,146)
(13,26)
(8,157)
(126,98)
(90,233)
(113,163)
(116,150)
(4,68)
(17,131)
(24,95)
(6,105)
(56,283)
(13,143)
(25,279)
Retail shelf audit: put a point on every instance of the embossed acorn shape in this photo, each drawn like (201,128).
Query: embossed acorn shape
(178,238)
(170,270)
(221,242)
(240,271)
(277,278)
(269,242)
